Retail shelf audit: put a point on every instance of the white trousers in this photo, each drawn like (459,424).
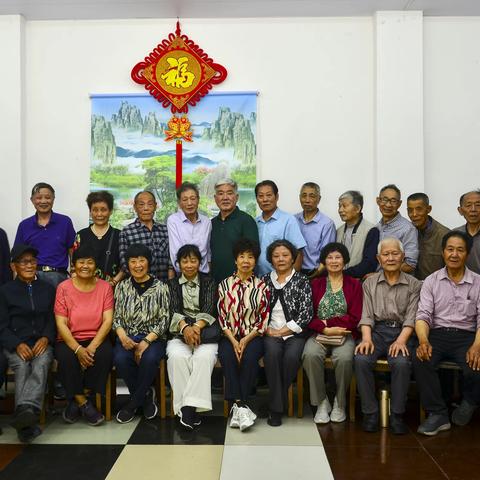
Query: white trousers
(190,374)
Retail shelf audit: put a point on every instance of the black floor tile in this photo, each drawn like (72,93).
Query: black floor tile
(170,432)
(70,462)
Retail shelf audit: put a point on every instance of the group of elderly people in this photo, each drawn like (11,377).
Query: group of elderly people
(284,288)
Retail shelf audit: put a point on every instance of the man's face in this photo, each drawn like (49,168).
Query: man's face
(226,198)
(418,213)
(348,211)
(389,202)
(390,257)
(145,207)
(188,202)
(25,267)
(470,208)
(266,199)
(43,200)
(455,253)
(309,199)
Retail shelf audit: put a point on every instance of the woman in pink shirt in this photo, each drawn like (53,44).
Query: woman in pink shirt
(83,312)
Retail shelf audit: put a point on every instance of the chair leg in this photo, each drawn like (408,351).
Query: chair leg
(300,392)
(43,412)
(353,394)
(98,401)
(108,398)
(226,406)
(163,393)
(171,402)
(290,401)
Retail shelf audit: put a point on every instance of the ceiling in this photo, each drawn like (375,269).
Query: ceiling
(109,9)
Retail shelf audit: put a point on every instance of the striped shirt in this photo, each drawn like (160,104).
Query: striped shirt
(141,314)
(156,240)
(243,306)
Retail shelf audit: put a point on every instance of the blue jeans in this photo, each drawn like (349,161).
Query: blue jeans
(140,377)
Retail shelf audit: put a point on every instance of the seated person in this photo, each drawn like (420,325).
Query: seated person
(242,313)
(27,333)
(390,299)
(191,359)
(337,304)
(290,311)
(447,327)
(83,311)
(141,321)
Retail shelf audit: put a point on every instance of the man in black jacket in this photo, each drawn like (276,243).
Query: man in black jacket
(27,332)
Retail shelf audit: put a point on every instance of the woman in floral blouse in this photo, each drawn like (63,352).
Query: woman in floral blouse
(141,321)
(243,314)
(337,304)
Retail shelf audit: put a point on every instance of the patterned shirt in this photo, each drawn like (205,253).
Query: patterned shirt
(156,240)
(141,314)
(243,306)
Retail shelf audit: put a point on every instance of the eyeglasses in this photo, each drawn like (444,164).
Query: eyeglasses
(392,201)
(27,261)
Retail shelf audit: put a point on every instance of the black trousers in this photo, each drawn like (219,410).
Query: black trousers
(447,345)
(3,367)
(74,378)
(240,378)
(282,360)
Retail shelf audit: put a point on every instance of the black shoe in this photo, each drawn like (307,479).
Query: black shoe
(187,417)
(397,424)
(59,392)
(24,417)
(197,419)
(126,414)
(28,434)
(370,422)
(274,419)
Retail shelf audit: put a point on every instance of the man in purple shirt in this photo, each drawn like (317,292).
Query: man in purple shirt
(51,233)
(187,226)
(447,326)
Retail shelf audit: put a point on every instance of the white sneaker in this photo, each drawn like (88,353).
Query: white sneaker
(246,418)
(235,420)
(323,410)
(338,414)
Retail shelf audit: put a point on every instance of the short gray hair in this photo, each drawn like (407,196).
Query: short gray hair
(354,196)
(313,185)
(227,181)
(387,240)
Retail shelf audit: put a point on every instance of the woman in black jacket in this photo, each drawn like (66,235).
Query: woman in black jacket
(192,353)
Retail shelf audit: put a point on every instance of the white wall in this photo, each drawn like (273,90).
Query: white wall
(317,108)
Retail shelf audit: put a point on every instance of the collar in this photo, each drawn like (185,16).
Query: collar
(274,278)
(275,215)
(392,221)
(139,224)
(53,219)
(182,280)
(467,276)
(184,218)
(239,281)
(401,279)
(468,233)
(355,227)
(232,215)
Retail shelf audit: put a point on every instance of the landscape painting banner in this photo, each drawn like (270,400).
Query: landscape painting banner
(129,152)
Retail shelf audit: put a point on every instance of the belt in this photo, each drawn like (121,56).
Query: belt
(46,268)
(390,323)
(452,329)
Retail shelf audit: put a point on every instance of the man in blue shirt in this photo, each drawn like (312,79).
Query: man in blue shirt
(275,224)
(51,233)
(317,229)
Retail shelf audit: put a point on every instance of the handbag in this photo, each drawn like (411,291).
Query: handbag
(334,340)
(209,334)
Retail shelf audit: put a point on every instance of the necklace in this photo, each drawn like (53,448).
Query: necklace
(98,234)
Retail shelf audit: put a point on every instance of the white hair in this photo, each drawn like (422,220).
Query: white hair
(388,240)
(227,181)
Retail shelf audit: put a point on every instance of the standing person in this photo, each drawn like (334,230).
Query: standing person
(393,225)
(189,227)
(227,227)
(469,209)
(337,303)
(83,312)
(275,224)
(141,323)
(290,311)
(27,333)
(51,233)
(390,299)
(144,229)
(430,234)
(359,236)
(448,328)
(5,271)
(102,237)
(192,354)
(242,313)
(317,229)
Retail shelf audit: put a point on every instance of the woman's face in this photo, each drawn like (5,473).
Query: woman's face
(334,262)
(138,267)
(85,268)
(100,214)
(189,266)
(245,263)
(282,259)
(349,212)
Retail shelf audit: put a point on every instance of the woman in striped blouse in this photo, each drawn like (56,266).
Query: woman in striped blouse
(242,313)
(141,321)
